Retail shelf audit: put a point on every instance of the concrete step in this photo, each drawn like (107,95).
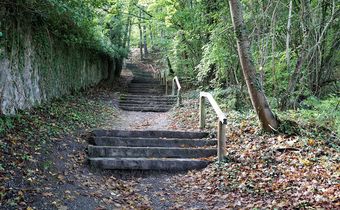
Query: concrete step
(144,76)
(137,74)
(145,79)
(145,109)
(146,106)
(151,142)
(149,134)
(149,81)
(148,164)
(147,97)
(150,152)
(142,101)
(146,103)
(145,85)
(146,88)
(144,91)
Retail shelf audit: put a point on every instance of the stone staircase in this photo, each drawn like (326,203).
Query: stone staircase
(150,150)
(145,94)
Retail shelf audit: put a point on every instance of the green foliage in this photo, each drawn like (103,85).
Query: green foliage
(232,98)
(53,119)
(217,53)
(88,24)
(321,117)
(324,113)
(199,39)
(6,123)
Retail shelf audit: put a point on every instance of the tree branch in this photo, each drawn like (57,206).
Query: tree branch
(143,10)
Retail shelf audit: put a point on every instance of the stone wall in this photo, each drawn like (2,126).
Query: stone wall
(35,67)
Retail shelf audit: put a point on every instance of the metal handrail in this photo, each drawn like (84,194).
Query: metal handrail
(222,121)
(157,74)
(175,83)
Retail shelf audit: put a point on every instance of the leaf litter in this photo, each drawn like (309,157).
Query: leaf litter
(43,168)
(260,170)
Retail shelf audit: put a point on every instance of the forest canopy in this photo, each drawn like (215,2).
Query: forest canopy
(93,24)
(294,47)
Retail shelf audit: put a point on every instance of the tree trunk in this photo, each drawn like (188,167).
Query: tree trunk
(119,66)
(258,99)
(111,71)
(288,35)
(145,42)
(145,46)
(171,71)
(129,37)
(126,33)
(140,36)
(151,35)
(284,104)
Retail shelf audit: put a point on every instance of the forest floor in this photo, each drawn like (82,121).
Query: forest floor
(43,161)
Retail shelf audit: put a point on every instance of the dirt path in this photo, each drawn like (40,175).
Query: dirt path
(156,188)
(142,121)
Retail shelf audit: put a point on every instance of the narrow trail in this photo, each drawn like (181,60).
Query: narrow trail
(142,120)
(134,120)
(156,187)
(62,179)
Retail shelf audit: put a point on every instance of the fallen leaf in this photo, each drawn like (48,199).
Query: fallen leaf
(47,194)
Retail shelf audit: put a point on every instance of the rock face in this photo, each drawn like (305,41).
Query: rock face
(35,66)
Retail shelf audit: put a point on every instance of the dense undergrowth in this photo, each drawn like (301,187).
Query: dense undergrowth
(319,120)
(294,168)
(26,142)
(59,116)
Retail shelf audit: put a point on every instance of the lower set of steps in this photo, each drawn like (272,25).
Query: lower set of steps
(150,150)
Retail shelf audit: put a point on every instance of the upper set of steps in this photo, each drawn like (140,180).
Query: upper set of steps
(145,93)
(150,150)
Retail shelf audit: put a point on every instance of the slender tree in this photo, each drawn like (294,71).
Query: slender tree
(140,35)
(255,89)
(145,45)
(288,34)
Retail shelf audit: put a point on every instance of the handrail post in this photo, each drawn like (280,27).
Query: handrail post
(166,88)
(160,77)
(166,85)
(221,125)
(202,112)
(164,78)
(221,141)
(179,98)
(175,83)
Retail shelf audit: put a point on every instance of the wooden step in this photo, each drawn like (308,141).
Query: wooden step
(149,134)
(169,164)
(151,142)
(150,152)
